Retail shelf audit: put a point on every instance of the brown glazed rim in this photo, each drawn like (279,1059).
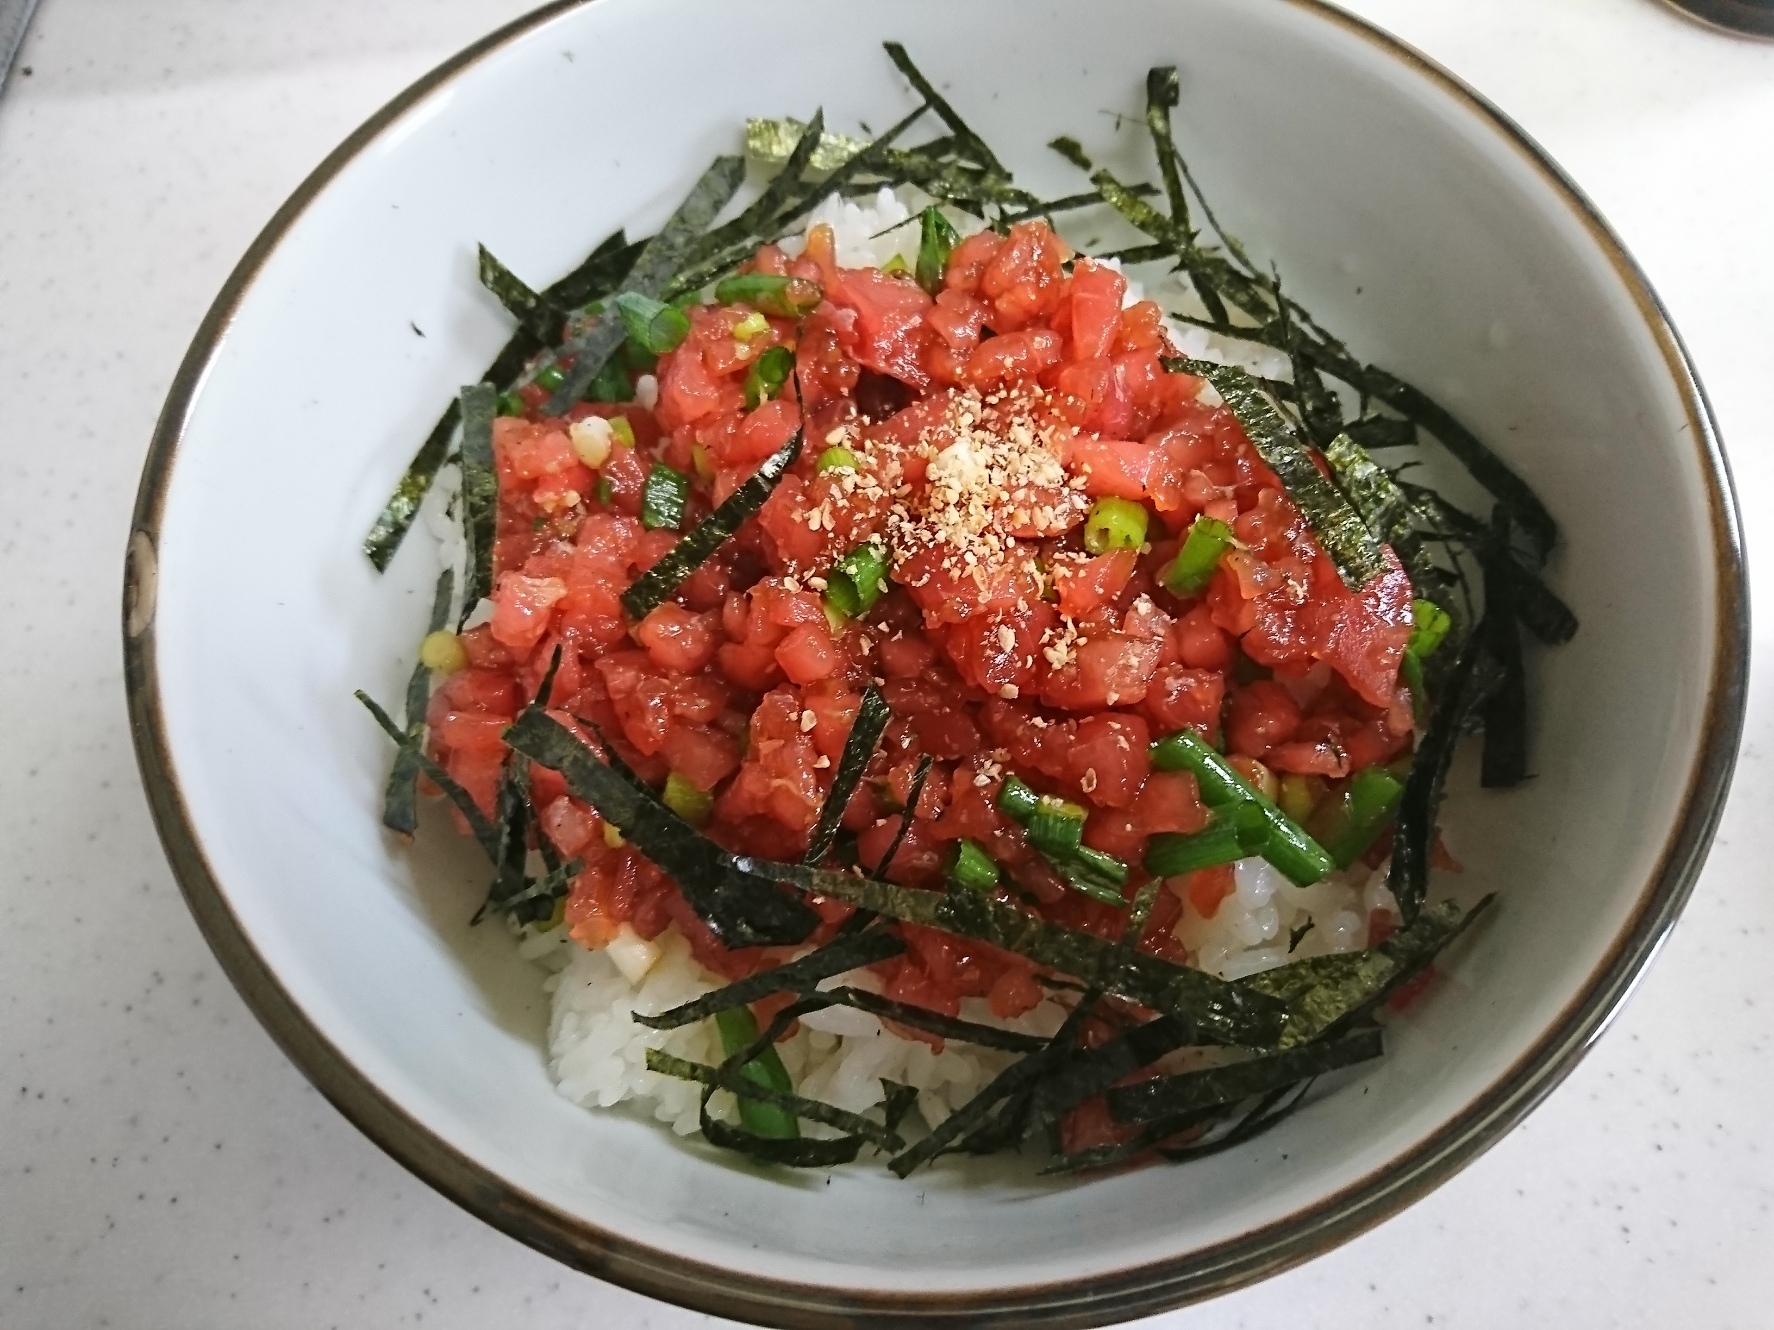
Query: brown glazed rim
(1096,1300)
(1739,18)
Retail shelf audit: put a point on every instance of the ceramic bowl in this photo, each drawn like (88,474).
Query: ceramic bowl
(1412,216)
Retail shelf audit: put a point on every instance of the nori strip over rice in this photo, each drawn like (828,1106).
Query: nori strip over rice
(1219,1012)
(1215,1087)
(838,956)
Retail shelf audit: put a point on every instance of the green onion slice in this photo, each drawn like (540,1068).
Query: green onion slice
(1115,524)
(1189,573)
(835,459)
(971,867)
(688,802)
(1056,826)
(739,1030)
(652,325)
(1284,843)
(1016,800)
(768,373)
(664,498)
(857,580)
(784,297)
(936,239)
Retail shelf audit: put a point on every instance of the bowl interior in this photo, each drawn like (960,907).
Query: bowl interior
(1416,229)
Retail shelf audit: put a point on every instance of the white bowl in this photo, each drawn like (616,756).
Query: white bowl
(1419,223)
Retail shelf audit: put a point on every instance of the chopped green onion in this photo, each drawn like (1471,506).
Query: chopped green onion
(896,265)
(1299,795)
(664,498)
(972,868)
(752,325)
(652,325)
(611,383)
(833,459)
(1016,800)
(1194,564)
(936,238)
(739,1031)
(768,373)
(857,580)
(785,297)
(1092,873)
(622,430)
(1234,832)
(1350,823)
(550,377)
(688,802)
(1056,826)
(1283,842)
(510,404)
(605,491)
(1115,524)
(1430,626)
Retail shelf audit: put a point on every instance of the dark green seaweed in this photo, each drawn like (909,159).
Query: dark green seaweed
(865,733)
(1216,1087)
(1327,993)
(664,255)
(601,270)
(1414,829)
(934,1022)
(810,1109)
(1094,1070)
(660,582)
(1218,1011)
(480,492)
(840,955)
(400,798)
(523,304)
(1339,528)
(1505,709)
(969,142)
(919,775)
(485,834)
(737,907)
(1373,432)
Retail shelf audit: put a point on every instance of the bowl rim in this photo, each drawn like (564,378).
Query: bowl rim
(1135,1291)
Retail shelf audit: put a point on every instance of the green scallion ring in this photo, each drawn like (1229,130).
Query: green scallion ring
(971,867)
(1115,524)
(664,498)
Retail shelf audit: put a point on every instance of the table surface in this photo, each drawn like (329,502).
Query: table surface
(161,1164)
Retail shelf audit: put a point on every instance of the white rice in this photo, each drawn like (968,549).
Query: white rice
(597,1053)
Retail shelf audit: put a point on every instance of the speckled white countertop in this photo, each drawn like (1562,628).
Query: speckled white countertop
(161,1165)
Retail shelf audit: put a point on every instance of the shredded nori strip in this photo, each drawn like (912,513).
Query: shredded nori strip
(1269,1112)
(480,493)
(536,901)
(839,956)
(1220,1012)
(659,261)
(602,269)
(739,909)
(1094,1070)
(919,775)
(934,1022)
(1214,1087)
(1327,993)
(771,142)
(1414,827)
(811,1109)
(969,142)
(1373,432)
(485,834)
(865,733)
(1505,710)
(400,798)
(523,304)
(1340,531)
(660,582)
